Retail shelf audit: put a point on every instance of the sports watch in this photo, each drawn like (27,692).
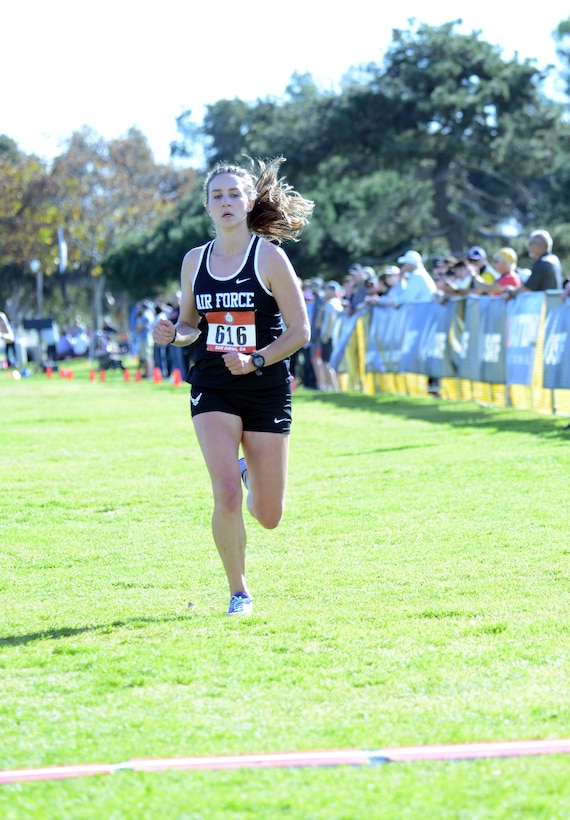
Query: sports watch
(258,362)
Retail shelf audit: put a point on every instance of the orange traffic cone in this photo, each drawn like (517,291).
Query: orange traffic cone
(138,376)
(49,372)
(157,375)
(92,375)
(102,376)
(176,377)
(126,374)
(70,373)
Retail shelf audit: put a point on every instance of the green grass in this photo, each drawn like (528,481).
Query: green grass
(417,592)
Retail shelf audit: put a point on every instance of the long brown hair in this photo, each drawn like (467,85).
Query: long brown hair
(280,213)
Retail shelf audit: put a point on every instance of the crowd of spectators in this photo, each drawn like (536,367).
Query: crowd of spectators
(450,275)
(49,346)
(152,357)
(393,285)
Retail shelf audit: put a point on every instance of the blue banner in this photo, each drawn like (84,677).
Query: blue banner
(385,337)
(470,357)
(493,318)
(523,324)
(456,330)
(556,352)
(480,338)
(426,347)
(348,325)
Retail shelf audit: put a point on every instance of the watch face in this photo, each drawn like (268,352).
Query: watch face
(258,359)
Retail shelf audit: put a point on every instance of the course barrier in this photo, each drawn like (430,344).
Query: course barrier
(499,353)
(327,757)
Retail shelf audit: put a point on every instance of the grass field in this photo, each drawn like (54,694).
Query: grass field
(416,592)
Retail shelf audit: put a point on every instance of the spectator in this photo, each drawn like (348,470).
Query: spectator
(332,311)
(308,377)
(354,295)
(478,257)
(420,286)
(79,337)
(381,288)
(356,291)
(371,286)
(546,273)
(144,345)
(50,337)
(441,267)
(392,277)
(505,262)
(317,285)
(74,342)
(6,335)
(351,282)
(461,280)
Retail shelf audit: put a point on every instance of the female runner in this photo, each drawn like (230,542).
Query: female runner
(242,305)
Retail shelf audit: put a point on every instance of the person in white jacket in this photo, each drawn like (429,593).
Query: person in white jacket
(420,286)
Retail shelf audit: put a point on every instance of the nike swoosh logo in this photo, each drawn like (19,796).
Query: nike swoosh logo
(196,400)
(279,421)
(241,281)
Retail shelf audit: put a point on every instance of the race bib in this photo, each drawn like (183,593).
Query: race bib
(231,330)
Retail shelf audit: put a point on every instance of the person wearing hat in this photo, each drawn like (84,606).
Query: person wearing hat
(394,287)
(420,286)
(478,257)
(505,262)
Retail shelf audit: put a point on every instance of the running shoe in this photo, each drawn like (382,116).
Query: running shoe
(243,471)
(240,604)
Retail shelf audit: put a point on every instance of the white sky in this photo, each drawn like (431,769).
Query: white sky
(118,63)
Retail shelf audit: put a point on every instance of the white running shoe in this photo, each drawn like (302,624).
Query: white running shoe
(241,604)
(244,475)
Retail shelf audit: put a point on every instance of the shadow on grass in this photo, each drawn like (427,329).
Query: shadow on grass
(70,632)
(438,411)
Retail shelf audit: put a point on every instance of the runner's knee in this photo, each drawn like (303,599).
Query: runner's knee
(268,516)
(228,497)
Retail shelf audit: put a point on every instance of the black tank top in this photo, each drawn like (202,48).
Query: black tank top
(240,313)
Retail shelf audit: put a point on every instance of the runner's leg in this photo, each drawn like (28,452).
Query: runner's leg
(219,435)
(267,456)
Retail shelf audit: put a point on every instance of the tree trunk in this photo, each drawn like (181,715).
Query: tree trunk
(451,224)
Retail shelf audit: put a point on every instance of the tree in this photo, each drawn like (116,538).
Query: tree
(448,106)
(433,148)
(99,192)
(28,222)
(8,148)
(108,190)
(146,264)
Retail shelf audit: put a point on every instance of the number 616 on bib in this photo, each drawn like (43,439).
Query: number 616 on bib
(231,330)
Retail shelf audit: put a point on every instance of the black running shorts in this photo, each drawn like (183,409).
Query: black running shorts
(261,411)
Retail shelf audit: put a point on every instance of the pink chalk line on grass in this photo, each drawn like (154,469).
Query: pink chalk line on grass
(340,757)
